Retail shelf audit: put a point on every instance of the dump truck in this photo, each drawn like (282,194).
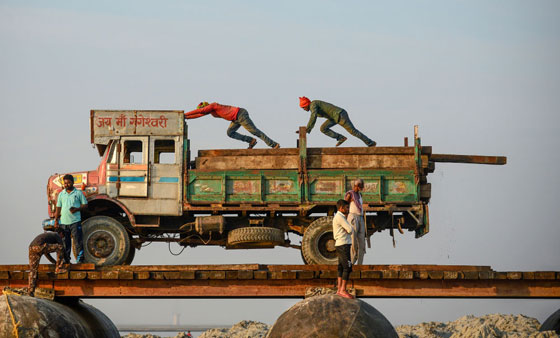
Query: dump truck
(147,188)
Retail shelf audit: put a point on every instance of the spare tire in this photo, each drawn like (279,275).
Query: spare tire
(257,236)
(317,245)
(106,241)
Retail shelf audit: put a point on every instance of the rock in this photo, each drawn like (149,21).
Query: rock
(332,316)
(552,323)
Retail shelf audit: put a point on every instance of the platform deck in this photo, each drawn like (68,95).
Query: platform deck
(290,281)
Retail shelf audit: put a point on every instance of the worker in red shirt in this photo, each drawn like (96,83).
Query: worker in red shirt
(238,117)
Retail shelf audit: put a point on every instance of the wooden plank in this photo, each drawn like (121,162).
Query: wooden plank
(390,274)
(4,275)
(514,275)
(435,274)
(282,275)
(310,151)
(405,267)
(545,275)
(17,275)
(370,274)
(245,274)
(406,274)
(109,275)
(187,275)
(216,267)
(126,275)
(305,274)
(47,267)
(94,275)
(382,162)
(171,274)
(78,274)
(142,275)
(232,274)
(260,275)
(528,275)
(476,159)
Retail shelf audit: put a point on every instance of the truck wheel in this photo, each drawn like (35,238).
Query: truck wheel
(106,242)
(130,256)
(262,236)
(317,246)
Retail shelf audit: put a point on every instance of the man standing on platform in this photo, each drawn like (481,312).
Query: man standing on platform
(356,219)
(342,232)
(334,115)
(238,117)
(69,205)
(44,244)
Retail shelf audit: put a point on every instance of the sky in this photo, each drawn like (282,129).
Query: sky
(477,77)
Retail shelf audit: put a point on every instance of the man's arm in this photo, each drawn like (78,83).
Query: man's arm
(56,216)
(348,197)
(49,257)
(193,114)
(344,224)
(82,207)
(311,122)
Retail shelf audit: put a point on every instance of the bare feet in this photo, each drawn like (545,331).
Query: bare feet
(345,294)
(276,146)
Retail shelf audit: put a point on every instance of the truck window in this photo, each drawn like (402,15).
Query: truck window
(133,152)
(164,151)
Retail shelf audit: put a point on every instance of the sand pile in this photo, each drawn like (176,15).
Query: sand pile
(243,329)
(489,326)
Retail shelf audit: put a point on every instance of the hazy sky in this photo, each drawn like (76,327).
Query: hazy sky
(478,77)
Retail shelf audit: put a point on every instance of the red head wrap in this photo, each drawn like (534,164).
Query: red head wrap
(304,101)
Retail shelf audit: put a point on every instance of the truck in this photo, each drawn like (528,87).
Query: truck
(148,188)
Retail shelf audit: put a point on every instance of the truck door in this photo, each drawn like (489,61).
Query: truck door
(166,163)
(133,170)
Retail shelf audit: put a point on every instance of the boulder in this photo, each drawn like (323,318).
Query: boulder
(552,323)
(332,316)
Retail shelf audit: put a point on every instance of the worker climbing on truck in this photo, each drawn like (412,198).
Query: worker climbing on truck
(238,117)
(334,115)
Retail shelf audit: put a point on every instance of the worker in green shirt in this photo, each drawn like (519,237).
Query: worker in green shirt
(334,115)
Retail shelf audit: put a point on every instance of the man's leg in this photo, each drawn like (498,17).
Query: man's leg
(67,234)
(34,258)
(76,229)
(326,129)
(347,124)
(361,239)
(244,119)
(232,132)
(354,249)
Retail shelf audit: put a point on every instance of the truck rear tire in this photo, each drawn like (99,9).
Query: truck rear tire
(317,246)
(106,241)
(266,236)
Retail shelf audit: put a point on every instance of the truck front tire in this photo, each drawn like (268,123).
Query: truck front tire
(317,246)
(106,241)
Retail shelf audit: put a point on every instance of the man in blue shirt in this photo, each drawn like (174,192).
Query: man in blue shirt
(68,206)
